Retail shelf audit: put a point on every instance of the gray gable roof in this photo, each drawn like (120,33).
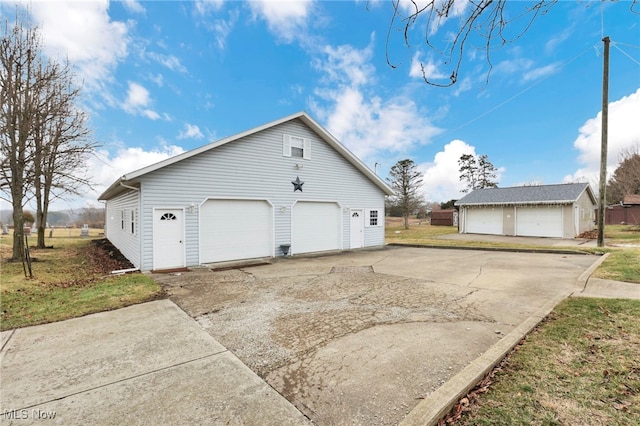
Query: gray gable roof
(541,194)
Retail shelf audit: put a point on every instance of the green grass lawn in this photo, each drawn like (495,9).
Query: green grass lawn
(579,367)
(71,279)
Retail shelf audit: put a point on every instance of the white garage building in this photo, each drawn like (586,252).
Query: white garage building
(285,186)
(561,211)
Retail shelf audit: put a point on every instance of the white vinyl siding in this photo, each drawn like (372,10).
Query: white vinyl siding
(120,215)
(254,168)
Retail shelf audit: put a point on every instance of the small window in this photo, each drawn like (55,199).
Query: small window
(297,147)
(168,216)
(122,216)
(133,220)
(355,214)
(297,152)
(373,217)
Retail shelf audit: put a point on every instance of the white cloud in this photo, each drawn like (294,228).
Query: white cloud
(366,123)
(106,169)
(219,26)
(204,7)
(347,65)
(541,72)
(133,6)
(513,66)
(369,126)
(137,101)
(623,133)
(441,180)
(83,32)
(287,20)
(421,69)
(191,131)
(170,61)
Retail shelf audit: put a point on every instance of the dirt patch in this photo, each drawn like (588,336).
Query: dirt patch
(106,257)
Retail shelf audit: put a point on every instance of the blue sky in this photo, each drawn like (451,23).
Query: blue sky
(163,77)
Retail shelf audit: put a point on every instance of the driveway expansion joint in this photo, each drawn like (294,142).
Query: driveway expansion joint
(126,379)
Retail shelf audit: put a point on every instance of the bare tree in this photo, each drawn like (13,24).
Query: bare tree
(626,178)
(478,172)
(405,180)
(61,142)
(482,25)
(43,138)
(19,88)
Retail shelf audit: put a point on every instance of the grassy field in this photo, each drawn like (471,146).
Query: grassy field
(579,367)
(70,279)
(622,242)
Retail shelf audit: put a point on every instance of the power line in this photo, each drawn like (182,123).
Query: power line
(626,54)
(526,89)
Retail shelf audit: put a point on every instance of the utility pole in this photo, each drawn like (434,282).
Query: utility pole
(603,145)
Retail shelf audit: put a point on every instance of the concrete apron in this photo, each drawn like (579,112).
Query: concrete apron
(349,347)
(145,364)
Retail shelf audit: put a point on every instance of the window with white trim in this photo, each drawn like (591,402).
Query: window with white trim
(128,220)
(296,147)
(133,221)
(373,218)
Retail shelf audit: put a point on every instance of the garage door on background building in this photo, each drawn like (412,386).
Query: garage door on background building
(484,220)
(235,229)
(539,221)
(316,226)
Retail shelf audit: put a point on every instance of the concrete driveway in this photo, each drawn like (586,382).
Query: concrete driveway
(363,337)
(148,364)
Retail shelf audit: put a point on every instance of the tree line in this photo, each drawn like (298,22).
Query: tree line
(44,138)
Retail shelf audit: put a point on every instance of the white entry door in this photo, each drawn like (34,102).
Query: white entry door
(168,239)
(357,228)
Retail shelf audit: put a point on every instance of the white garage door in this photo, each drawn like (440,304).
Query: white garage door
(539,221)
(316,227)
(235,229)
(484,220)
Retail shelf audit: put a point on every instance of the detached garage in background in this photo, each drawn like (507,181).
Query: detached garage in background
(285,187)
(560,211)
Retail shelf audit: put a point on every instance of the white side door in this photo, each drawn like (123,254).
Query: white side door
(357,228)
(168,239)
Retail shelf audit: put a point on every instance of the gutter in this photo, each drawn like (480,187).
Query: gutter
(122,184)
